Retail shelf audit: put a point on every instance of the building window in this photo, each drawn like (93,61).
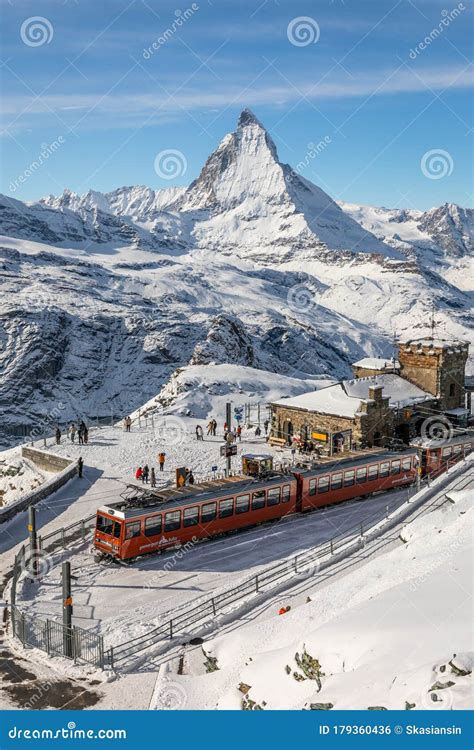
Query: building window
(323,484)
(132,530)
(385,469)
(349,478)
(452,389)
(336,481)
(373,472)
(396,466)
(361,475)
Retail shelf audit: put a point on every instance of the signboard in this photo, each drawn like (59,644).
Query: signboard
(228,450)
(181,476)
(68,602)
(323,437)
(214,468)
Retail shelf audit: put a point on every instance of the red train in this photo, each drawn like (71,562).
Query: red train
(165,518)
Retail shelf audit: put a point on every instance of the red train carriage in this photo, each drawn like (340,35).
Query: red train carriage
(337,481)
(190,513)
(165,518)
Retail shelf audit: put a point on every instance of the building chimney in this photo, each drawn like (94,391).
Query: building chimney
(375,393)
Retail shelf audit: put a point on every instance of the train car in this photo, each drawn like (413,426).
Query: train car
(166,518)
(336,481)
(437,456)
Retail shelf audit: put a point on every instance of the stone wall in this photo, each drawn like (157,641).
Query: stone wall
(65,470)
(44,460)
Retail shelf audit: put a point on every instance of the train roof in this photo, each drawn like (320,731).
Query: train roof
(369,457)
(153,500)
(459,436)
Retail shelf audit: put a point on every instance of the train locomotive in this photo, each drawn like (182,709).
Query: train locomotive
(158,519)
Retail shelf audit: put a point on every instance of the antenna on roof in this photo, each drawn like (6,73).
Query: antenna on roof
(395,343)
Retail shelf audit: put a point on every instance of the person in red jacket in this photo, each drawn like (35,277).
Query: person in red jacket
(139,473)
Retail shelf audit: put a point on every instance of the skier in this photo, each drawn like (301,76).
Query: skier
(239,433)
(72,431)
(58,436)
(139,473)
(161,460)
(80,467)
(146,472)
(152,477)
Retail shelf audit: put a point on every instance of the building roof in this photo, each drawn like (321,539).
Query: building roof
(436,343)
(376,363)
(343,399)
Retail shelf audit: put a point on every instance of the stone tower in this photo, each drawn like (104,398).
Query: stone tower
(437,367)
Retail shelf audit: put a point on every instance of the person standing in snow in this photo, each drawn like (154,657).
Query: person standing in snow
(258,431)
(152,477)
(214,427)
(72,431)
(161,460)
(80,467)
(86,435)
(82,427)
(145,474)
(58,435)
(190,477)
(210,427)
(265,425)
(199,432)
(138,473)
(239,433)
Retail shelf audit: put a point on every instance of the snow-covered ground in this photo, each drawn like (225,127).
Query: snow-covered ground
(18,476)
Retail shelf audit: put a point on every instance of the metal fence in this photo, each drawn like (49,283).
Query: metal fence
(48,635)
(86,646)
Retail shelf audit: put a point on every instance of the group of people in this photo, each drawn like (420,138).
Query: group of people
(82,433)
(144,473)
(212,427)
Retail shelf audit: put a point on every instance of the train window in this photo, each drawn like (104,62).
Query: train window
(312,487)
(447,451)
(172,520)
(406,463)
(104,524)
(361,474)
(286,493)
(274,496)
(396,466)
(467,448)
(323,484)
(385,469)
(153,525)
(336,481)
(191,516)
(373,472)
(349,478)
(457,449)
(208,512)
(117,529)
(132,530)
(242,504)
(258,500)
(226,508)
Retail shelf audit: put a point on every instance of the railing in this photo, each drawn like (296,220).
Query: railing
(86,646)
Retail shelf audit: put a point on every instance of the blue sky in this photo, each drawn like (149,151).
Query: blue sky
(356,76)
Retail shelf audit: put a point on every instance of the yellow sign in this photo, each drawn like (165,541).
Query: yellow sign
(322,436)
(68,602)
(30,527)
(181,476)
